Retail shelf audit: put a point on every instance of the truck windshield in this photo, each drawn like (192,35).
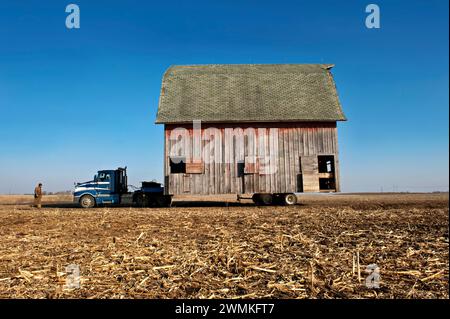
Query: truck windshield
(104,177)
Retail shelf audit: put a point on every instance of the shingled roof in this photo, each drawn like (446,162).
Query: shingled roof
(249,93)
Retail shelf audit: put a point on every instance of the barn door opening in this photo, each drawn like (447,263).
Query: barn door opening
(241,174)
(327,176)
(300,178)
(310,173)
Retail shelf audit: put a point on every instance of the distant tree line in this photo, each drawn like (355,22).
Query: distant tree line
(58,193)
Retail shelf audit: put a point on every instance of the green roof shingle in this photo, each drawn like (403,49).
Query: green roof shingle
(249,93)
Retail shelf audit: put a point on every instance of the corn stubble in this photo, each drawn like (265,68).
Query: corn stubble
(319,249)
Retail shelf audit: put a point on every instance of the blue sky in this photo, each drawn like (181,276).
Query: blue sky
(74,101)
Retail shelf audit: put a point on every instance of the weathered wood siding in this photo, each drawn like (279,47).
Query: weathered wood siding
(294,149)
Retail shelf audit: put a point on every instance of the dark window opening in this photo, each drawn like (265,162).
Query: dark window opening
(177,164)
(327,180)
(327,184)
(326,164)
(240,168)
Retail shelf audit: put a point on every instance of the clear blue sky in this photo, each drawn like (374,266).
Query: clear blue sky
(74,101)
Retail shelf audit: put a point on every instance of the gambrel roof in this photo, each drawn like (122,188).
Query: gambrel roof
(249,93)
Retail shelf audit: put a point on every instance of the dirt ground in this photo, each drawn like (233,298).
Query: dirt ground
(203,248)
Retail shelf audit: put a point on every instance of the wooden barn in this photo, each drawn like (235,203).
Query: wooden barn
(266,130)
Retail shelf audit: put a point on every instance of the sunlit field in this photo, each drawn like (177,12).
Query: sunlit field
(216,247)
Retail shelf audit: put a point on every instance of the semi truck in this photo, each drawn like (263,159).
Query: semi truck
(111,187)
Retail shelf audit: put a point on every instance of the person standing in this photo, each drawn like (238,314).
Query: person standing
(38,195)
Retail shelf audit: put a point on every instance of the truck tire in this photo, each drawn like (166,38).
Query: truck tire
(290,199)
(256,199)
(267,199)
(168,201)
(262,199)
(87,201)
(163,201)
(140,200)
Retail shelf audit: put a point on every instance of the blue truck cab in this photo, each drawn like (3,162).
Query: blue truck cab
(110,187)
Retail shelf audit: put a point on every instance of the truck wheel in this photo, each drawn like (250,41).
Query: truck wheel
(140,200)
(87,201)
(263,199)
(290,199)
(256,199)
(267,199)
(163,201)
(168,200)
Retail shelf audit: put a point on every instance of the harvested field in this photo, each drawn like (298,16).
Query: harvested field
(224,249)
